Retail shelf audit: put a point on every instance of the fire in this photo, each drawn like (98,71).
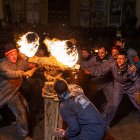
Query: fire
(64,51)
(28,44)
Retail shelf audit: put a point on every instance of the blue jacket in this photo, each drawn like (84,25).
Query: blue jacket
(84,122)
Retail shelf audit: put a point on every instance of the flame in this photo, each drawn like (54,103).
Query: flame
(64,51)
(28,44)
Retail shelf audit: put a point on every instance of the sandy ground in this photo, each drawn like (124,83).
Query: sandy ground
(127,128)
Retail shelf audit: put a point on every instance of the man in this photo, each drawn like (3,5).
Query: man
(132,54)
(102,52)
(125,82)
(115,51)
(102,83)
(83,120)
(11,75)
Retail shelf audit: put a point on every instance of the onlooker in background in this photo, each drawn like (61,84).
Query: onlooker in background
(115,51)
(12,71)
(83,120)
(84,62)
(85,57)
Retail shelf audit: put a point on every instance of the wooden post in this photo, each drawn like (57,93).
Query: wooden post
(52,118)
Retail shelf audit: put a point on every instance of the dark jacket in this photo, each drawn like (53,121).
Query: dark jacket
(95,61)
(125,79)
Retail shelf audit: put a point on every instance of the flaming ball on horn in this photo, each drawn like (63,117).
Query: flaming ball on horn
(64,51)
(28,44)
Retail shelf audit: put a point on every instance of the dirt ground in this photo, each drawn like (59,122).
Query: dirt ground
(127,128)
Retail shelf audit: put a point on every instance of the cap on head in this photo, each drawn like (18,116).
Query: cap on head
(60,86)
(9,47)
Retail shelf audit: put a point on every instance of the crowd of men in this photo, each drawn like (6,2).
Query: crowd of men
(115,74)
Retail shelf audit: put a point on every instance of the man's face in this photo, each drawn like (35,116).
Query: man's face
(12,56)
(101,53)
(121,59)
(114,53)
(85,54)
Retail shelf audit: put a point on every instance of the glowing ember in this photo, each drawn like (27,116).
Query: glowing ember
(28,44)
(64,51)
